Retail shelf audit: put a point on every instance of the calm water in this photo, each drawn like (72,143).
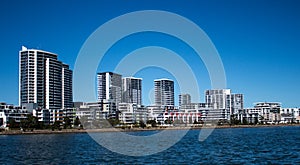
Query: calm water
(277,145)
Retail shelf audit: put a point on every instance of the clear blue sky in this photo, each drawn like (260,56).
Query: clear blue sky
(258,40)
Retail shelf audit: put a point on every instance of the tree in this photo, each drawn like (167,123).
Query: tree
(12,123)
(77,121)
(142,124)
(152,122)
(30,122)
(234,120)
(67,122)
(113,122)
(56,125)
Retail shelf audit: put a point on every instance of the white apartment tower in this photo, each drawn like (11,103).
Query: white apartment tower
(184,99)
(164,92)
(43,80)
(218,98)
(223,103)
(132,90)
(109,87)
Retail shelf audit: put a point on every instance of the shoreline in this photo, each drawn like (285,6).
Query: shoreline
(67,131)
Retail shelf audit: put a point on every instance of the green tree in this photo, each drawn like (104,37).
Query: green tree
(152,122)
(142,124)
(77,121)
(31,122)
(56,125)
(12,123)
(67,122)
(113,122)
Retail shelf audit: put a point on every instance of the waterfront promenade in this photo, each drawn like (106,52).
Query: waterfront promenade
(159,128)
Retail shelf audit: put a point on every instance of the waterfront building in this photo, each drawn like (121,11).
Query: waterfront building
(109,87)
(132,113)
(289,115)
(248,116)
(237,103)
(126,115)
(218,98)
(219,101)
(9,112)
(184,99)
(50,116)
(44,80)
(104,109)
(164,92)
(132,90)
(269,111)
(154,111)
(178,118)
(67,87)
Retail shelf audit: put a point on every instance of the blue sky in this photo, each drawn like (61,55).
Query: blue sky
(258,40)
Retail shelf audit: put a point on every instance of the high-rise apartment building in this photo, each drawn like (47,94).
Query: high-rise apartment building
(44,80)
(184,99)
(164,92)
(237,103)
(67,92)
(132,90)
(223,103)
(218,98)
(109,87)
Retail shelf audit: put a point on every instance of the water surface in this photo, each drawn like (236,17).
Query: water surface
(269,145)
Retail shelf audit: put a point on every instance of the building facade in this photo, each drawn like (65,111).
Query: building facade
(237,103)
(184,99)
(132,90)
(67,92)
(44,80)
(109,87)
(164,92)
(269,111)
(219,101)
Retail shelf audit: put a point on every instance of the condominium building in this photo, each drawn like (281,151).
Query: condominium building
(219,101)
(132,90)
(218,98)
(67,92)
(269,111)
(164,92)
(109,87)
(184,99)
(44,80)
(237,103)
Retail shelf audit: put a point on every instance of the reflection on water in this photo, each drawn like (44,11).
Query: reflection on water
(224,146)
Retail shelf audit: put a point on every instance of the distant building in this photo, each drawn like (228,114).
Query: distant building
(104,109)
(44,80)
(220,102)
(269,111)
(289,115)
(184,99)
(131,113)
(109,87)
(237,103)
(218,98)
(248,116)
(67,87)
(132,90)
(164,92)
(50,116)
(10,113)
